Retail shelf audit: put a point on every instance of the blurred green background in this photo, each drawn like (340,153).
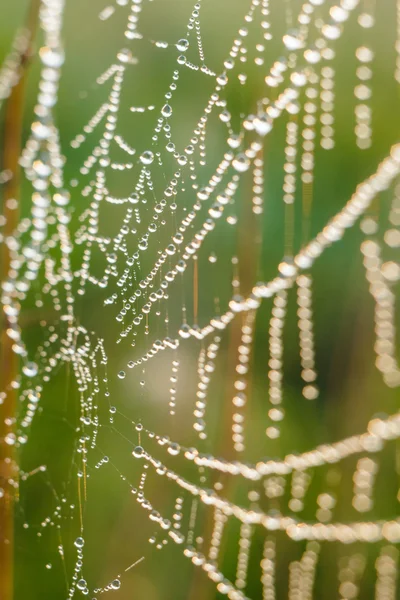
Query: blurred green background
(352,391)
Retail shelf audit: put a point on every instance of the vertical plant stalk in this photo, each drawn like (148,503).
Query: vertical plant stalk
(11,151)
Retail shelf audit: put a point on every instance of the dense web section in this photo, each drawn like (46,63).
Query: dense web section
(167,237)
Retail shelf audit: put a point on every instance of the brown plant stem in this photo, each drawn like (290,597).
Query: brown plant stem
(13,125)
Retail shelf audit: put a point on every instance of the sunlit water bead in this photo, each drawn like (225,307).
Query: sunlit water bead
(52,57)
(79,543)
(81,585)
(30,369)
(173,449)
(62,197)
(293,40)
(147,157)
(115,584)
(234,141)
(112,411)
(42,127)
(241,163)
(125,56)
(182,45)
(138,452)
(166,111)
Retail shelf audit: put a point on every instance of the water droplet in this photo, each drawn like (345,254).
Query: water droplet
(184,331)
(262,125)
(174,449)
(10,439)
(41,128)
(225,116)
(298,78)
(147,157)
(138,452)
(124,55)
(312,56)
(234,141)
(222,79)
(134,198)
(182,45)
(51,57)
(30,369)
(166,111)
(241,163)
(293,40)
(62,197)
(81,584)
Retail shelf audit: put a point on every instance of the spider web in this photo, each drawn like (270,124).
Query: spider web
(203,403)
